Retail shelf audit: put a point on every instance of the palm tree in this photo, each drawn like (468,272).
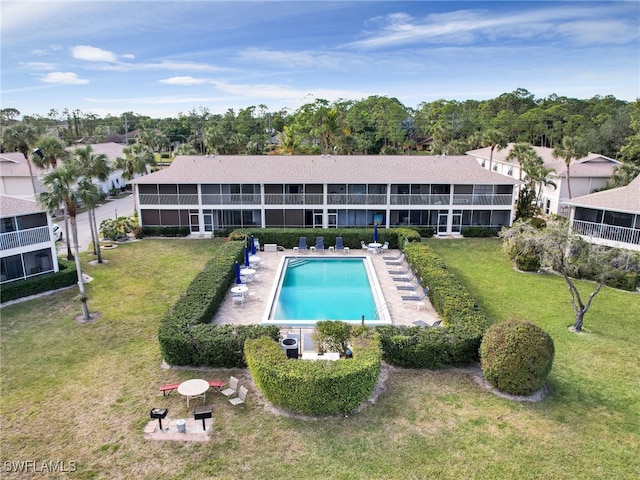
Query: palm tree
(19,138)
(571,148)
(92,166)
(496,140)
(91,195)
(184,149)
(61,189)
(50,150)
(135,161)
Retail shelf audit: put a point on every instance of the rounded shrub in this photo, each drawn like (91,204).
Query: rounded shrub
(516,357)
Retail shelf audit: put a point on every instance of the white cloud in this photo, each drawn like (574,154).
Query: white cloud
(128,56)
(92,54)
(38,65)
(183,81)
(579,24)
(65,78)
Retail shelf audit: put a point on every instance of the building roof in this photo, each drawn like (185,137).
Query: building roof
(13,164)
(190,169)
(10,205)
(624,199)
(593,165)
(111,149)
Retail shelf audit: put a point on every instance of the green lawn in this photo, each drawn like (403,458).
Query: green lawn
(82,393)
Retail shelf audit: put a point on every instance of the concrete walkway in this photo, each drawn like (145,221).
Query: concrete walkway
(402,312)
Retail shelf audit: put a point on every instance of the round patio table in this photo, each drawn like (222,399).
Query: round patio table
(193,389)
(247,271)
(240,289)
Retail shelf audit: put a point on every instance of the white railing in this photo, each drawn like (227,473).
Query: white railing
(603,231)
(23,238)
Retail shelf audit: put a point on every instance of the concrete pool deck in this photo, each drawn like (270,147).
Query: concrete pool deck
(402,312)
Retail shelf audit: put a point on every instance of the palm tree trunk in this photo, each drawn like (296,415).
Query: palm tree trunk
(67,236)
(90,213)
(83,295)
(97,242)
(568,181)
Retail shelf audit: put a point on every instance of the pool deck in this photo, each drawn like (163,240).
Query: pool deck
(402,312)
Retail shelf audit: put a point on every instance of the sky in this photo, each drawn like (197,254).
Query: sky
(165,58)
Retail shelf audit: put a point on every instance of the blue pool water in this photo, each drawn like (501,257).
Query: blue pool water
(325,289)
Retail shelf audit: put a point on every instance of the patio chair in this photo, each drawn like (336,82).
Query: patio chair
(231,388)
(320,244)
(241,398)
(302,245)
(238,299)
(409,286)
(397,261)
(340,245)
(416,298)
(393,259)
(364,246)
(385,247)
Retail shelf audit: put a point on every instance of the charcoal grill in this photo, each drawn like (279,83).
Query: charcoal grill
(202,413)
(159,413)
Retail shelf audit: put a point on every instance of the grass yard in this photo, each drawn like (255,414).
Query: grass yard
(82,393)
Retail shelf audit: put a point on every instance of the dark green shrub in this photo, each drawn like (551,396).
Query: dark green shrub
(425,232)
(332,336)
(311,387)
(516,357)
(187,338)
(528,261)
(479,232)
(458,342)
(65,277)
(165,231)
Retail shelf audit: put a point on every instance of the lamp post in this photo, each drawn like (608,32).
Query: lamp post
(116,214)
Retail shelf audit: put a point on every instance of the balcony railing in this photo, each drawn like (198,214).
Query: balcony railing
(318,199)
(356,199)
(293,198)
(603,231)
(23,238)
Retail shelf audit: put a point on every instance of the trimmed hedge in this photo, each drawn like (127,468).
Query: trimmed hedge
(163,232)
(517,357)
(458,342)
(186,335)
(315,387)
(479,232)
(65,277)
(351,237)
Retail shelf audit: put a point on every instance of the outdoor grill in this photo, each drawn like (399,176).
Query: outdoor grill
(159,413)
(202,413)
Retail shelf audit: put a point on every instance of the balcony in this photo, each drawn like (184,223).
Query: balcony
(356,199)
(23,238)
(608,234)
(293,198)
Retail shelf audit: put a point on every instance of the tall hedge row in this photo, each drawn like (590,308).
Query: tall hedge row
(315,387)
(351,237)
(185,334)
(458,342)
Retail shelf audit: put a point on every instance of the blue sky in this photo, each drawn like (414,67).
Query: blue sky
(160,58)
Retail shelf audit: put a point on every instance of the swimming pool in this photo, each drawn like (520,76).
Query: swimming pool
(313,288)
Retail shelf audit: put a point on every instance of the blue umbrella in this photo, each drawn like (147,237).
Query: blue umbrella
(246,257)
(375,232)
(236,267)
(253,246)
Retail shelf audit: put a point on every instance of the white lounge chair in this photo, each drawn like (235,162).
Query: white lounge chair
(231,388)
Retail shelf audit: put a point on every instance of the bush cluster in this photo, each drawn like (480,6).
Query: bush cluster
(479,232)
(516,357)
(351,237)
(458,342)
(164,232)
(321,387)
(185,334)
(65,277)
